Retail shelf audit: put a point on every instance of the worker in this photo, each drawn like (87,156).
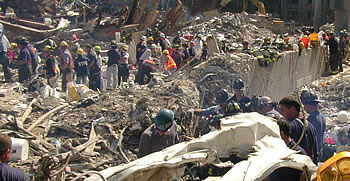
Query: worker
(140,48)
(238,88)
(150,40)
(24,71)
(51,67)
(177,55)
(147,67)
(66,65)
(264,106)
(8,173)
(314,39)
(94,68)
(81,66)
(205,52)
(169,62)
(198,46)
(290,109)
(4,59)
(334,53)
(150,53)
(188,53)
(316,118)
(342,51)
(284,173)
(267,42)
(245,45)
(305,40)
(159,135)
(112,67)
(124,61)
(99,83)
(177,39)
(11,53)
(164,42)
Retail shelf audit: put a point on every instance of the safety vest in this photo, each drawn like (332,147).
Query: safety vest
(170,64)
(305,40)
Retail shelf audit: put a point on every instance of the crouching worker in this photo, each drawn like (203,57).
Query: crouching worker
(6,172)
(159,135)
(147,67)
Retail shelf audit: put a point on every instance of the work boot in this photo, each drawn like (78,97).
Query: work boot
(334,72)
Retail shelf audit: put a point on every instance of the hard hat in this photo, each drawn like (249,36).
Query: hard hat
(178,33)
(192,43)
(125,47)
(13,45)
(63,43)
(176,46)
(114,45)
(221,96)
(166,52)
(238,84)
(164,119)
(150,38)
(153,46)
(22,41)
(341,33)
(97,49)
(255,102)
(309,97)
(144,38)
(47,48)
(80,51)
(162,35)
(232,108)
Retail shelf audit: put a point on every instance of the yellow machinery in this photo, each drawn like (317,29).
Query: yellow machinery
(257,3)
(336,168)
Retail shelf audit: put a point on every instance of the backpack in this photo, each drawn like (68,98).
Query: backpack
(34,57)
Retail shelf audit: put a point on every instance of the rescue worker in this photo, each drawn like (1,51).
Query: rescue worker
(264,106)
(267,42)
(169,62)
(51,68)
(188,55)
(11,53)
(112,67)
(81,66)
(178,56)
(159,135)
(147,67)
(205,52)
(149,52)
(316,118)
(140,48)
(4,59)
(66,65)
(100,84)
(245,45)
(24,71)
(150,40)
(238,88)
(290,109)
(8,173)
(334,53)
(198,46)
(94,68)
(342,53)
(123,71)
(177,39)
(164,42)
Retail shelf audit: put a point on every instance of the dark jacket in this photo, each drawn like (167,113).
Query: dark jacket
(113,57)
(92,56)
(333,46)
(81,66)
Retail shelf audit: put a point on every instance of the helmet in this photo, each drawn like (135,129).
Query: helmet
(150,38)
(221,96)
(22,41)
(48,48)
(192,43)
(80,51)
(13,45)
(162,35)
(232,108)
(164,119)
(125,47)
(153,46)
(238,84)
(63,43)
(166,52)
(144,38)
(114,45)
(176,46)
(178,33)
(97,49)
(308,97)
(341,33)
(255,102)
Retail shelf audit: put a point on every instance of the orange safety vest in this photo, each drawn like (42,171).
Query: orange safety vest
(170,64)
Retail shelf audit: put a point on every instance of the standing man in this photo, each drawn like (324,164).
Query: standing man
(178,56)
(140,48)
(81,66)
(316,118)
(50,66)
(94,68)
(24,72)
(66,65)
(334,53)
(112,67)
(123,71)
(264,106)
(4,59)
(100,84)
(169,62)
(238,88)
(290,109)
(159,135)
(6,172)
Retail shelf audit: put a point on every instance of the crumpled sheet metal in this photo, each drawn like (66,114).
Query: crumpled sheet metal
(249,135)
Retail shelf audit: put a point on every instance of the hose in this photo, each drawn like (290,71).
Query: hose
(305,122)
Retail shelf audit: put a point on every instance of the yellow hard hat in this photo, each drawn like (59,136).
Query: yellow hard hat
(150,38)
(97,49)
(166,52)
(63,43)
(80,51)
(125,47)
(47,48)
(13,45)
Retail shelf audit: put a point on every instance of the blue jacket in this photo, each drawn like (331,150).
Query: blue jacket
(81,66)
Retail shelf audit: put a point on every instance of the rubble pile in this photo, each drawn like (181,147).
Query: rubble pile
(230,29)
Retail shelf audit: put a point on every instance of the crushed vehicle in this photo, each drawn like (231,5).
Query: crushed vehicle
(248,147)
